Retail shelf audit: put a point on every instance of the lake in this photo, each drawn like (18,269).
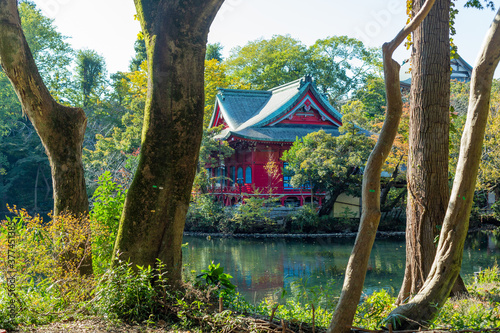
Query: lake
(261,267)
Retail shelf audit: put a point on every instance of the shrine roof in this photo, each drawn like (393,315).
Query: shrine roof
(244,109)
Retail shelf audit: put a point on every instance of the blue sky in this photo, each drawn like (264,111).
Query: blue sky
(108,26)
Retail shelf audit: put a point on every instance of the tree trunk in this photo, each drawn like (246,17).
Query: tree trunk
(154,214)
(446,266)
(427,176)
(370,217)
(60,128)
(327,206)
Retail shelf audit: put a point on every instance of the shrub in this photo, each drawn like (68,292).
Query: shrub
(47,282)
(133,295)
(108,200)
(207,215)
(372,313)
(306,219)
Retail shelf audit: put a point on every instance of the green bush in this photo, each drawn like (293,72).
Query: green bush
(46,279)
(253,214)
(372,313)
(306,219)
(469,313)
(132,295)
(108,200)
(207,215)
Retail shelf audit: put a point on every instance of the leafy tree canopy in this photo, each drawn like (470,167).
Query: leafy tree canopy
(214,51)
(339,64)
(265,64)
(328,163)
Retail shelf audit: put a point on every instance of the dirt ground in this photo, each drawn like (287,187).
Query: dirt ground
(97,325)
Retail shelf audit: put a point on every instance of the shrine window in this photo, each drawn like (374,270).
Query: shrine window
(232,174)
(248,175)
(223,173)
(239,180)
(287,176)
(217,176)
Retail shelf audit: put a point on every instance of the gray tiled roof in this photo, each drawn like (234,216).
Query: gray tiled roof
(237,106)
(248,112)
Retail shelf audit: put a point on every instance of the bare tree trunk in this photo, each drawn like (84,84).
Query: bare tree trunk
(370,217)
(60,128)
(154,214)
(427,176)
(446,266)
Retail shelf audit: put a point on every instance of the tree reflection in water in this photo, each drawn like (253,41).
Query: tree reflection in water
(261,267)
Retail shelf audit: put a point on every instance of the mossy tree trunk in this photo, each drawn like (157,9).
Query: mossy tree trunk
(370,216)
(446,266)
(61,128)
(427,175)
(154,214)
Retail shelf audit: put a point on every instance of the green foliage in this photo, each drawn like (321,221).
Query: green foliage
(477,4)
(207,215)
(265,64)
(212,151)
(328,163)
(372,96)
(132,295)
(91,79)
(341,64)
(214,51)
(215,276)
(140,55)
(471,314)
(253,214)
(47,284)
(355,112)
(306,219)
(108,201)
(489,275)
(374,309)
(52,54)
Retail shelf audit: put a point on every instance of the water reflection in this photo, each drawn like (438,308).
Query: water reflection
(261,267)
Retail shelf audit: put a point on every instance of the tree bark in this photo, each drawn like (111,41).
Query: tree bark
(60,128)
(427,176)
(446,266)
(153,218)
(328,205)
(370,216)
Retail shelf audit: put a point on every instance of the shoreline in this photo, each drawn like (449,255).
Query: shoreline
(380,234)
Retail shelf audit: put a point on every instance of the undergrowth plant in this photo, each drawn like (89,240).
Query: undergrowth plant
(44,269)
(132,295)
(107,205)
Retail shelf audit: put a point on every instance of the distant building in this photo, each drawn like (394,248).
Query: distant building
(460,71)
(260,126)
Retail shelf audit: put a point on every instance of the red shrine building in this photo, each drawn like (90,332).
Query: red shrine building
(260,126)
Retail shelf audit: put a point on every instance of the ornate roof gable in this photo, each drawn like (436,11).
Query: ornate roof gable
(242,109)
